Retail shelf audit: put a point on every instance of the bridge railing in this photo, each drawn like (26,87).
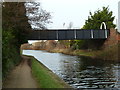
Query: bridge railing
(69,34)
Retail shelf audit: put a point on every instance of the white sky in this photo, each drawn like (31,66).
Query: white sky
(76,11)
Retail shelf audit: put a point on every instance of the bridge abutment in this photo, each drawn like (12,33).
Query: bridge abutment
(113,38)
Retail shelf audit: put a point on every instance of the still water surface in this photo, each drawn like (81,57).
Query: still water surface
(80,72)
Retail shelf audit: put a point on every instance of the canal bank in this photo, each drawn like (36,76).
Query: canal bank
(45,77)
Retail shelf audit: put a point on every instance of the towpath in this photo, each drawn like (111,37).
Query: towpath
(21,76)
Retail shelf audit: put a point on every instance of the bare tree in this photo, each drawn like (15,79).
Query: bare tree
(38,18)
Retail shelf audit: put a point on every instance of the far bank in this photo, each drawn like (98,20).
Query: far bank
(109,53)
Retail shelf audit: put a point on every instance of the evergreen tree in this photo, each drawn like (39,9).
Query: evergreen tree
(94,20)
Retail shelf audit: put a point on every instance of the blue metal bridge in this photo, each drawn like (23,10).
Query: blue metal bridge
(68,34)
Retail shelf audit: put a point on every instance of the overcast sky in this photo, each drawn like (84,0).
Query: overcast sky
(76,11)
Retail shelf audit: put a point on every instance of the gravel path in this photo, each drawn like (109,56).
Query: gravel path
(21,76)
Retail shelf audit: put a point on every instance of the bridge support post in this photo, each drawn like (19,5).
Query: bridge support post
(106,33)
(91,33)
(57,34)
(75,34)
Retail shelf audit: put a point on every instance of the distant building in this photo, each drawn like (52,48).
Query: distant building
(119,16)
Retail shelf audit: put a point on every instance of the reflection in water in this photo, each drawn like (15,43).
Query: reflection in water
(86,73)
(80,72)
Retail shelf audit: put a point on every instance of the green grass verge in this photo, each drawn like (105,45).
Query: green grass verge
(46,78)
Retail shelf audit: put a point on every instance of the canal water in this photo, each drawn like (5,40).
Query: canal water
(80,72)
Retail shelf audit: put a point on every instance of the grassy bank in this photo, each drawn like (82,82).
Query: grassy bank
(45,77)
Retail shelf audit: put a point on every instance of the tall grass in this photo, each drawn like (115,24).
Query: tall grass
(110,53)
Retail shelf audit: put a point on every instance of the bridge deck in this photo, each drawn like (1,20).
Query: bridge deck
(68,34)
